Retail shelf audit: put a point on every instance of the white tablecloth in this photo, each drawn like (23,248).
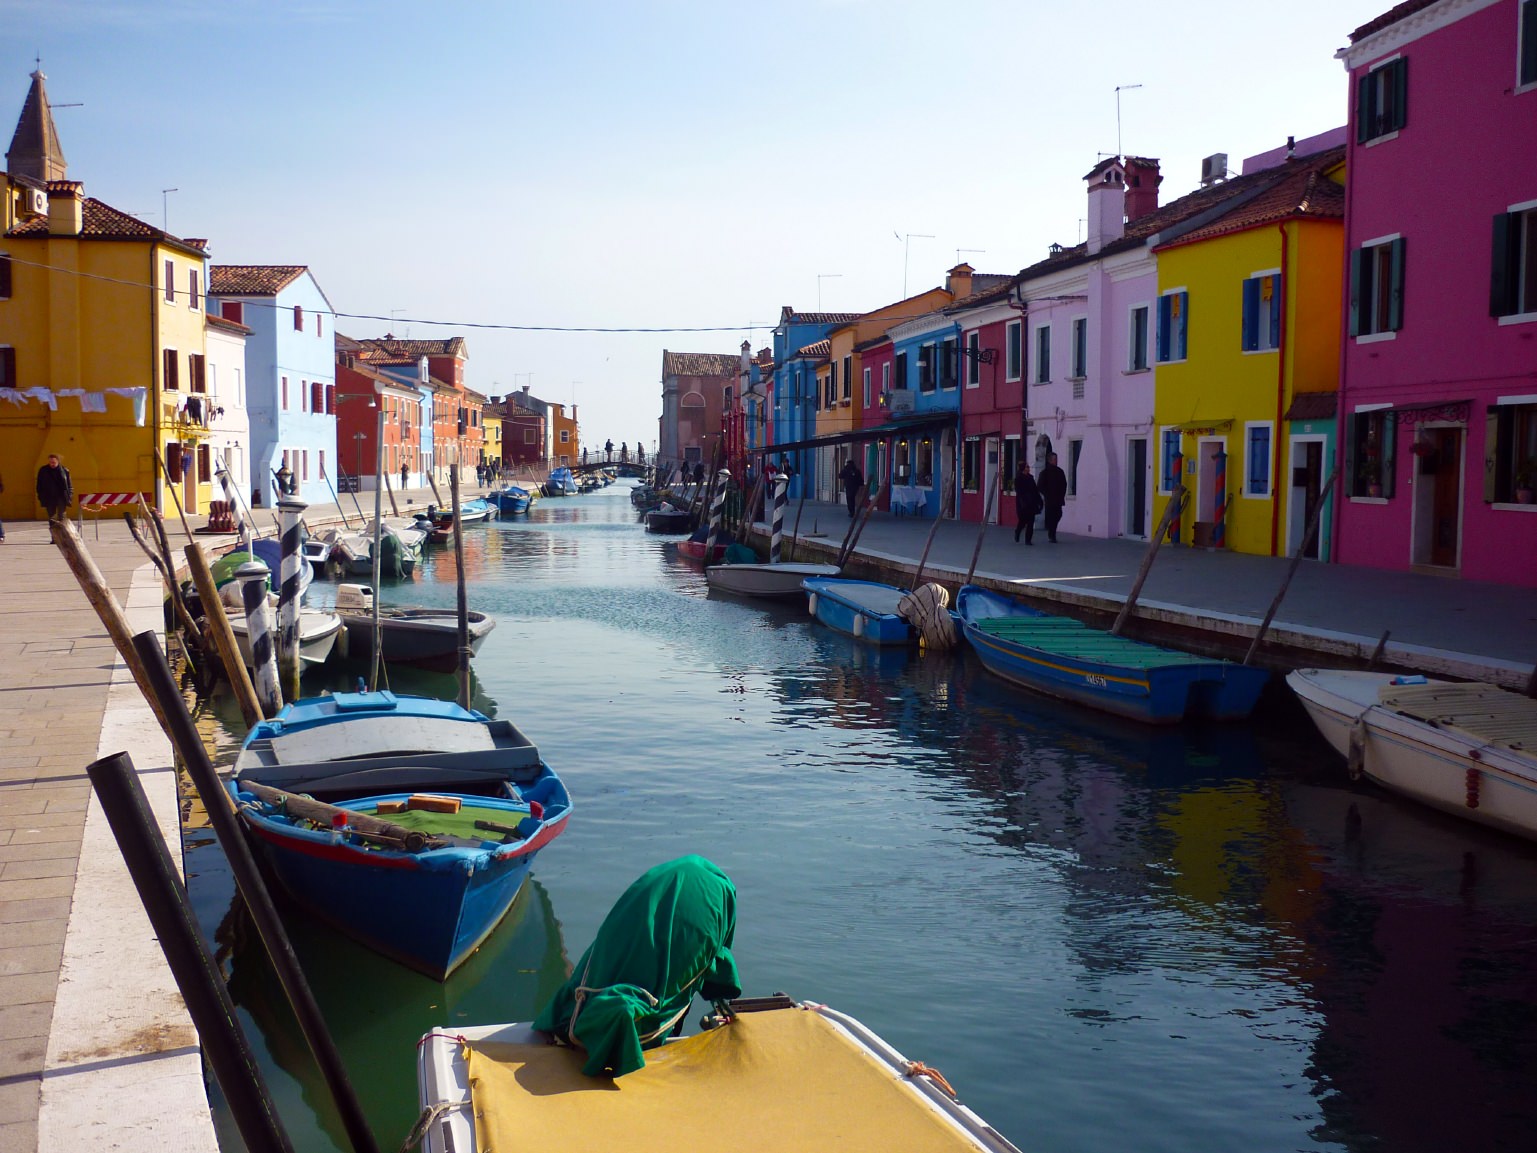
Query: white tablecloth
(908,499)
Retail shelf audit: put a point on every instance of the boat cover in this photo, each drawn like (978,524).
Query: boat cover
(668,937)
(788,1079)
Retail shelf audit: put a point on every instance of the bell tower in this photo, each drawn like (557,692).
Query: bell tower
(35,150)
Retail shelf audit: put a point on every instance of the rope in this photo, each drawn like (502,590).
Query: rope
(919,1069)
(430,1117)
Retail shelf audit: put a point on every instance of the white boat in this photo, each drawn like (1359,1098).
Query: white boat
(1466,749)
(780,1075)
(317,635)
(765,580)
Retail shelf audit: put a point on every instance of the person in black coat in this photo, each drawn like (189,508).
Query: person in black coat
(853,479)
(1027,502)
(55,490)
(1053,485)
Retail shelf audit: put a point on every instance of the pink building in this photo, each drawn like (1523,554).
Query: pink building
(1439,366)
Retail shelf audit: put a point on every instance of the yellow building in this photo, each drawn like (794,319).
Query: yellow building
(101,334)
(491,422)
(1247,363)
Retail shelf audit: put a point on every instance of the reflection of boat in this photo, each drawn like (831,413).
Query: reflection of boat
(765,580)
(1063,657)
(427,637)
(791,1076)
(668,518)
(407,822)
(863,609)
(1466,749)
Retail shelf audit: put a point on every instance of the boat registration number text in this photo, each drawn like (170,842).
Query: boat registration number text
(1095,679)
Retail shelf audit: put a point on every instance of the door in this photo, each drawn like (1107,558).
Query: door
(1445,461)
(1306,492)
(991,498)
(1136,487)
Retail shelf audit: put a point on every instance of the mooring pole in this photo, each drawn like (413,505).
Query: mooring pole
(776,534)
(197,973)
(463,664)
(288,595)
(1171,513)
(223,636)
(253,595)
(1291,570)
(253,890)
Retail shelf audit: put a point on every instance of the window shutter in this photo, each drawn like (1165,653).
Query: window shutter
(1357,264)
(1502,266)
(1400,82)
(1250,338)
(1183,348)
(1396,290)
(5,277)
(1491,454)
(1163,328)
(1388,452)
(7,367)
(1529,42)
(1363,108)
(1275,312)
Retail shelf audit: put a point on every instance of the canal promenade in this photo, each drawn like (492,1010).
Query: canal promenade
(94,1046)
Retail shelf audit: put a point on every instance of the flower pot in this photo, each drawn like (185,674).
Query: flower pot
(1523,496)
(1374,490)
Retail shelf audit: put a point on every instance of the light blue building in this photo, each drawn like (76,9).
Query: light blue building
(926,370)
(800,344)
(290,375)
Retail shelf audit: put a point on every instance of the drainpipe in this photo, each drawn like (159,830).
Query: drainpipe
(1280,400)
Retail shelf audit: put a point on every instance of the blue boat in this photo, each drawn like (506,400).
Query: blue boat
(408,823)
(510,500)
(1066,658)
(560,483)
(862,609)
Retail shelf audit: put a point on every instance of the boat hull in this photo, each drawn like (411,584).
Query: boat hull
(864,610)
(770,581)
(701,551)
(428,638)
(318,633)
(1162,694)
(667,520)
(1440,767)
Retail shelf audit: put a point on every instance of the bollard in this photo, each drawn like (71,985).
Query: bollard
(781,498)
(292,542)
(253,594)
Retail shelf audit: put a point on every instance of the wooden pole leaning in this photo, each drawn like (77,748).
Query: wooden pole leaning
(976,552)
(223,635)
(463,665)
(1170,511)
(1291,570)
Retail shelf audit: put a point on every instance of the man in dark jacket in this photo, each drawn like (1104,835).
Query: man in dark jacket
(853,479)
(1027,502)
(55,491)
(1053,485)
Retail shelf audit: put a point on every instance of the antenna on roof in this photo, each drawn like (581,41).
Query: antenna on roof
(821,276)
(958,252)
(1119,88)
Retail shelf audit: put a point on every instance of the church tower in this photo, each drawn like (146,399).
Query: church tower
(35,151)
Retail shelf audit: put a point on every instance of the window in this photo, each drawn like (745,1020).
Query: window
(1527,73)
(8,367)
(5,277)
(317,396)
(565,436)
(830,385)
(168,378)
(1257,436)
(926,368)
(1013,340)
(1371,453)
(1136,358)
(899,371)
(330,398)
(1169,455)
(197,374)
(233,310)
(1510,448)
(1010,463)
(866,380)
(1382,99)
(1043,354)
(1377,287)
(194,289)
(1173,326)
(239,388)
(848,377)
(886,377)
(1074,455)
(317,326)
(1080,348)
(1261,329)
(298,318)
(170,282)
(1513,283)
(973,359)
(948,354)
(971,464)
(284,395)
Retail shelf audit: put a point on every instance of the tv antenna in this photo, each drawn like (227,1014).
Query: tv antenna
(821,276)
(958,252)
(907,241)
(1119,88)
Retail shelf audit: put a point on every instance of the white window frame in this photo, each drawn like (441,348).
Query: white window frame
(972,371)
(1146,309)
(1184,291)
(1528,209)
(1269,493)
(865,373)
(1263,329)
(1013,336)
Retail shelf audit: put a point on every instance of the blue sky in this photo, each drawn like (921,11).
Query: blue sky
(675,164)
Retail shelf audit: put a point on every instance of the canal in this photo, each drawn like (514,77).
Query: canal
(1105,936)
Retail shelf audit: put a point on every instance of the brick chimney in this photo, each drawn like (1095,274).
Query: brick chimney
(66,214)
(958,280)
(1107,203)
(1142,181)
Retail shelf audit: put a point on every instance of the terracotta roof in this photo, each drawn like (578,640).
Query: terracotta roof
(389,346)
(701,364)
(214,320)
(1312,406)
(345,343)
(987,295)
(789,314)
(1302,189)
(1391,16)
(820,348)
(100,221)
(252,279)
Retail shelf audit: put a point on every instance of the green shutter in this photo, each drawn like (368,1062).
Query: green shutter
(1357,261)
(1364,108)
(1503,265)
(1400,81)
(1529,42)
(1491,453)
(1388,451)
(1396,288)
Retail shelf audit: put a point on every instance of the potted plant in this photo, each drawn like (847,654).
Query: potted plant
(1370,476)
(1526,480)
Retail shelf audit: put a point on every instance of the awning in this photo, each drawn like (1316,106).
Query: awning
(875,432)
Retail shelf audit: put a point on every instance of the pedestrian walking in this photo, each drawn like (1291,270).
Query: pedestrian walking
(405,473)
(55,491)
(853,479)
(1053,486)
(1027,502)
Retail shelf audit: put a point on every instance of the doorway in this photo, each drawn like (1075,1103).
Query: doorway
(1307,469)
(1136,487)
(1436,456)
(991,496)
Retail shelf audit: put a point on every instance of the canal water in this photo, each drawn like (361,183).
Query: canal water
(1105,936)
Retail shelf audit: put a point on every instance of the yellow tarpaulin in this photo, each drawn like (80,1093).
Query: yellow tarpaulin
(785,1079)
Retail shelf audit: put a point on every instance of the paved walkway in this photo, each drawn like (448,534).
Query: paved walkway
(95,1049)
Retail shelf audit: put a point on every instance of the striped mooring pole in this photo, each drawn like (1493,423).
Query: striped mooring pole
(253,594)
(228,484)
(289,510)
(717,514)
(781,498)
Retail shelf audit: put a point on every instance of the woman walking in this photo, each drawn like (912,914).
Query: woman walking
(1027,502)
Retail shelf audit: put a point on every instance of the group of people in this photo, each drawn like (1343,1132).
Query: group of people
(1031,496)
(55,490)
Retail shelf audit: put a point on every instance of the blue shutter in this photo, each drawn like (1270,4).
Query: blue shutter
(1275,311)
(1183,348)
(1164,314)
(1251,303)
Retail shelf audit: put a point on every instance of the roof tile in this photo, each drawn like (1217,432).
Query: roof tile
(252,279)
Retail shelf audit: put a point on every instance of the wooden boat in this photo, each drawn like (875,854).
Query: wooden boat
(1066,658)
(781,581)
(702,550)
(790,1076)
(440,521)
(352,552)
(511,500)
(406,822)
(425,637)
(560,483)
(667,518)
(1466,749)
(863,609)
(318,634)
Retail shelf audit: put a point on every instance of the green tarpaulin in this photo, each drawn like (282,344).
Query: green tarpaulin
(668,937)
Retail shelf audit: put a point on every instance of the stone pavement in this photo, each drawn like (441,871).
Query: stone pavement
(94,1044)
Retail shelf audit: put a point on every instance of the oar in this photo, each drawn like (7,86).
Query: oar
(987,515)
(368,828)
